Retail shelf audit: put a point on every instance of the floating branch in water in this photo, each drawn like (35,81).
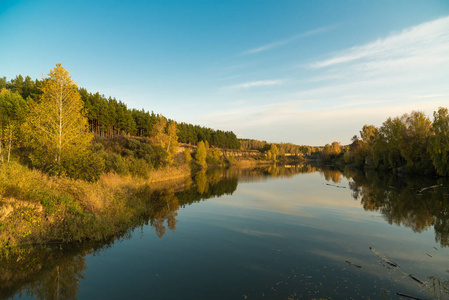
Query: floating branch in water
(408,296)
(415,279)
(351,264)
(337,186)
(430,187)
(393,264)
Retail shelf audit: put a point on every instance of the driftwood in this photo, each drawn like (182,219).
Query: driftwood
(386,260)
(337,186)
(428,188)
(393,264)
(415,279)
(351,264)
(407,296)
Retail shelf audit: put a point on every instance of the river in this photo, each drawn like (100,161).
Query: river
(285,232)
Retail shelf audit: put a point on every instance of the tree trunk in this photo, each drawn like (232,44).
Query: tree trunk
(10,142)
(60,124)
(1,155)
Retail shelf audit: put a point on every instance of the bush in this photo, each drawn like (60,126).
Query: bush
(115,163)
(87,166)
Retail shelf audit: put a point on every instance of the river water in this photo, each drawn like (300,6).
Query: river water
(266,233)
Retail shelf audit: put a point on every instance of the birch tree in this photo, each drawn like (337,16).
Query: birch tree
(158,135)
(173,145)
(57,124)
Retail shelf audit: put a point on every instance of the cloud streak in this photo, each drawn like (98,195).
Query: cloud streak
(254,84)
(289,40)
(411,42)
(331,99)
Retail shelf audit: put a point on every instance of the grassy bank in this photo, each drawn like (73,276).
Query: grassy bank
(37,208)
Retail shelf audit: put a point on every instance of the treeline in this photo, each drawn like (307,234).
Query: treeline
(109,117)
(411,143)
(53,130)
(283,148)
(193,134)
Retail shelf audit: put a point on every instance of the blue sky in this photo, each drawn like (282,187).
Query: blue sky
(307,72)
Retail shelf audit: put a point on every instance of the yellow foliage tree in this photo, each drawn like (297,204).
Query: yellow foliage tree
(173,145)
(158,135)
(57,125)
(165,136)
(274,151)
(201,154)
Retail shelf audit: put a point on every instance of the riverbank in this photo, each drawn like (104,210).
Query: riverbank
(37,209)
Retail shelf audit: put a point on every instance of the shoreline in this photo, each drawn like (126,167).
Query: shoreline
(37,209)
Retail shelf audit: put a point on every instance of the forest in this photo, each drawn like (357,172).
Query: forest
(110,117)
(411,143)
(101,135)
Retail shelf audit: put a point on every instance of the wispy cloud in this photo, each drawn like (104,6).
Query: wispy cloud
(288,40)
(253,84)
(365,84)
(414,42)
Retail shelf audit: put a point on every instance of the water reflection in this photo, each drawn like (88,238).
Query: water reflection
(44,273)
(55,272)
(401,202)
(164,206)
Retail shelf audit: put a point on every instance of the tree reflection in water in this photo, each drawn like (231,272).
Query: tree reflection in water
(399,199)
(44,273)
(52,273)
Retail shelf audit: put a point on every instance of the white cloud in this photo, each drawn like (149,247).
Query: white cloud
(252,84)
(335,97)
(289,40)
(422,41)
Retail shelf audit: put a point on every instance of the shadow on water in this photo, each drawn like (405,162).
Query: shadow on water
(55,271)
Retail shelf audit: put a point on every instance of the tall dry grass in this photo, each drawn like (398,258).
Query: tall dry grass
(37,208)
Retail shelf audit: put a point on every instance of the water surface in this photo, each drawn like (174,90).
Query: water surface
(275,233)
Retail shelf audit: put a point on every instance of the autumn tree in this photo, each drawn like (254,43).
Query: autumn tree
(172,137)
(438,146)
(415,137)
(274,151)
(158,135)
(187,155)
(390,141)
(58,128)
(201,154)
(13,110)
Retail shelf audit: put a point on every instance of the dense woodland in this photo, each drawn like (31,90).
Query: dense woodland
(56,134)
(131,141)
(411,143)
(110,117)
